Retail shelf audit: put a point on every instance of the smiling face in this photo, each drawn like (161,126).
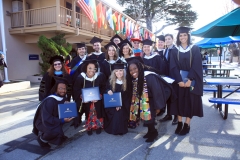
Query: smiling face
(161,44)
(119,73)
(116,40)
(136,44)
(97,46)
(61,89)
(126,50)
(168,41)
(111,52)
(81,51)
(91,70)
(183,38)
(147,49)
(57,65)
(133,70)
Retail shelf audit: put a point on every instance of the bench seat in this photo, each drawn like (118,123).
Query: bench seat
(214,90)
(225,101)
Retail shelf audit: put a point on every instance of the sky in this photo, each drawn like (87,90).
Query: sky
(207,10)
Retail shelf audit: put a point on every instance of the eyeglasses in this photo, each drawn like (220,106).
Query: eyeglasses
(92,69)
(57,64)
(62,89)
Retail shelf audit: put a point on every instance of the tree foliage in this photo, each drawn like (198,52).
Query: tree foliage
(50,47)
(171,12)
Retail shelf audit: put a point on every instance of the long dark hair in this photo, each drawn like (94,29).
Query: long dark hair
(141,68)
(51,69)
(179,42)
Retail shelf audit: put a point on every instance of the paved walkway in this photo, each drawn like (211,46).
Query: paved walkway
(210,137)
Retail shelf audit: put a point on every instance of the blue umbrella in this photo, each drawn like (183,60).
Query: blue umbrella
(227,25)
(208,42)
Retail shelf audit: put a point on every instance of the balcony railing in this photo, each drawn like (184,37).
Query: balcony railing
(48,15)
(41,16)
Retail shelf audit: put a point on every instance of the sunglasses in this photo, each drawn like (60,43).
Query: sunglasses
(57,64)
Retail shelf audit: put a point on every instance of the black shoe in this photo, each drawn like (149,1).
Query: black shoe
(166,118)
(89,132)
(98,131)
(42,144)
(185,130)
(179,128)
(146,135)
(152,136)
(175,120)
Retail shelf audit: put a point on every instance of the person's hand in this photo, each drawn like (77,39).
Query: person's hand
(68,119)
(66,102)
(158,111)
(181,84)
(110,92)
(94,101)
(188,83)
(118,108)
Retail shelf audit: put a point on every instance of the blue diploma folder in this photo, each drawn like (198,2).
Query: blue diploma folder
(67,110)
(90,94)
(114,100)
(184,75)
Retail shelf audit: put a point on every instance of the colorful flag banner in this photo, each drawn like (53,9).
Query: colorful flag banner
(99,14)
(86,9)
(109,18)
(92,5)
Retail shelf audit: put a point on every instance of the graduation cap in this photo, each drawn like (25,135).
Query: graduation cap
(80,45)
(56,58)
(147,42)
(87,62)
(183,29)
(135,58)
(118,66)
(136,39)
(161,38)
(60,80)
(95,39)
(110,44)
(116,36)
(125,41)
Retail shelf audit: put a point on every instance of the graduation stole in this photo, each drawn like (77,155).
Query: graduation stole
(76,66)
(143,102)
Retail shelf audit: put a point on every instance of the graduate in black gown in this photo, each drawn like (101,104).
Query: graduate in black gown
(111,59)
(149,94)
(187,58)
(151,59)
(46,124)
(56,69)
(160,46)
(116,39)
(116,119)
(170,48)
(97,54)
(125,51)
(94,110)
(81,56)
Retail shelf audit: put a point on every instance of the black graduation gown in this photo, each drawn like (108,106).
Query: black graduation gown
(167,60)
(46,120)
(161,53)
(116,122)
(74,62)
(3,63)
(108,68)
(159,91)
(100,81)
(48,82)
(156,62)
(189,103)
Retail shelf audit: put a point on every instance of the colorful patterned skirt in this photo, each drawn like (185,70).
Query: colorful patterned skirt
(93,122)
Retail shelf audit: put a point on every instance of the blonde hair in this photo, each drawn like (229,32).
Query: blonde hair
(113,80)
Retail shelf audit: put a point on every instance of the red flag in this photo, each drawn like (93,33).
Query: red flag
(86,9)
(99,14)
(127,29)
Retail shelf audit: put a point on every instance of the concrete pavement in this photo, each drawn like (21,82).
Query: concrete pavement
(210,137)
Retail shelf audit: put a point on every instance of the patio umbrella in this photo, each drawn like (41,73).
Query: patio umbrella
(227,25)
(207,42)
